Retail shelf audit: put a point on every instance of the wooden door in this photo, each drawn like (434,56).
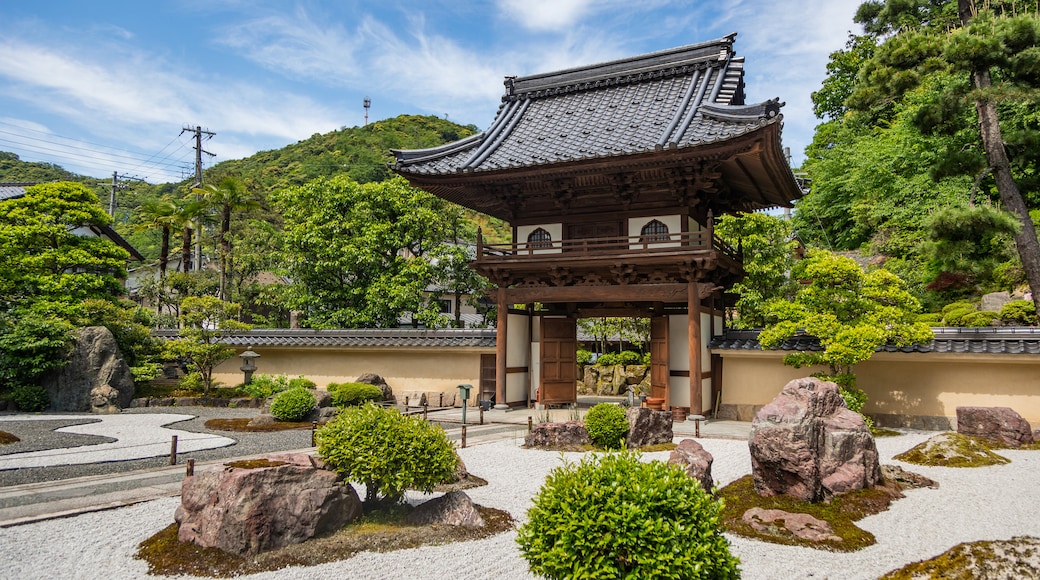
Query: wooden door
(559,349)
(659,372)
(488,375)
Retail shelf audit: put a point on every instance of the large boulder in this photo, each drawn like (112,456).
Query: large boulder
(806,443)
(264,505)
(558,435)
(95,362)
(374,379)
(1000,424)
(451,509)
(695,460)
(648,427)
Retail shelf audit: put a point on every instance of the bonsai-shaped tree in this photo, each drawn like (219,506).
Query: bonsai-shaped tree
(206,319)
(850,311)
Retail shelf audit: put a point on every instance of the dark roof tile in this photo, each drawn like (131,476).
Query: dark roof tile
(1017,340)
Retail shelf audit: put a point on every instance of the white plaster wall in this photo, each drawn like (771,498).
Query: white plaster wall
(635,226)
(517,355)
(555,231)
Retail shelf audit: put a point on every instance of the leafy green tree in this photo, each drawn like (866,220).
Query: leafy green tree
(852,313)
(227,196)
(205,320)
(453,276)
(160,214)
(632,330)
(769,249)
(359,254)
(996,47)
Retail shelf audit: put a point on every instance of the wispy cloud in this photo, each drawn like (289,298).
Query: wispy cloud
(545,15)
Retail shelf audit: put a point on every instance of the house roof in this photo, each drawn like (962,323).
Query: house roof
(391,337)
(664,103)
(1016,340)
(14,190)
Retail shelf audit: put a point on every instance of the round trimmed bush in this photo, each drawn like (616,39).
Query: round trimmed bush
(979,319)
(628,357)
(263,386)
(302,381)
(1019,312)
(607,425)
(353,394)
(613,516)
(30,398)
(386,451)
(293,404)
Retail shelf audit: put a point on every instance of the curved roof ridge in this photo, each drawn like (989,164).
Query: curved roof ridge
(654,65)
(438,151)
(756,111)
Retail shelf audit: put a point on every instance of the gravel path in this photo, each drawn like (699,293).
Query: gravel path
(40,435)
(992,503)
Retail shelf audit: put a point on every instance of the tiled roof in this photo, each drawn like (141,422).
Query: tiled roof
(1015,340)
(12,190)
(673,99)
(392,337)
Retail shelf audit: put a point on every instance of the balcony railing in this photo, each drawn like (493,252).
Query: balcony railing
(612,246)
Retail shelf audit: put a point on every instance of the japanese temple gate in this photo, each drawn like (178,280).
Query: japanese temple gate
(611,176)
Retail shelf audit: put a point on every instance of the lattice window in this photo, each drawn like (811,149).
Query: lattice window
(539,239)
(654,231)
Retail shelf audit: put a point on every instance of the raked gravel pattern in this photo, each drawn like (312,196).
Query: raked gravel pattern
(991,503)
(133,437)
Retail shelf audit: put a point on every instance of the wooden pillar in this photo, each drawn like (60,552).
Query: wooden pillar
(501,350)
(693,326)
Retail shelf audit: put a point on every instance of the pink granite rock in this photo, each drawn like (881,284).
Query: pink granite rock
(806,443)
(648,427)
(801,525)
(553,435)
(248,510)
(1001,424)
(451,509)
(695,461)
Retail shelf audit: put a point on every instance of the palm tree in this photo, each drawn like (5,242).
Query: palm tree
(187,210)
(229,195)
(159,214)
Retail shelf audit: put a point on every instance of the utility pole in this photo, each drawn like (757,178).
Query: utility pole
(199,132)
(114,186)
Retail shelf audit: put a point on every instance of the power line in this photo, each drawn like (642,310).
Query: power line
(112,151)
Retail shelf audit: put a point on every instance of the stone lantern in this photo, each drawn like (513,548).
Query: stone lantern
(248,364)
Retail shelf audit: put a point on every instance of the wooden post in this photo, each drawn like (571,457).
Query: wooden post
(463,436)
(482,415)
(314,430)
(191,468)
(425,407)
(530,424)
(694,337)
(173,451)
(501,350)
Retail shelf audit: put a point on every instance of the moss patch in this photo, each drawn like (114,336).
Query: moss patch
(161,389)
(242,425)
(884,432)
(953,450)
(469,482)
(380,531)
(841,513)
(1015,558)
(6,438)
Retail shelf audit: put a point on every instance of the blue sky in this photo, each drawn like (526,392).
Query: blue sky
(107,86)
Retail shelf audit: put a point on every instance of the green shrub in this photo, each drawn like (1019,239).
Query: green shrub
(627,357)
(960,305)
(1019,312)
(264,386)
(191,382)
(386,452)
(302,381)
(646,360)
(607,426)
(613,516)
(607,359)
(584,356)
(30,398)
(979,319)
(293,404)
(955,317)
(931,318)
(353,394)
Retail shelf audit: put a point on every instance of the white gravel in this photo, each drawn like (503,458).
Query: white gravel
(136,437)
(992,503)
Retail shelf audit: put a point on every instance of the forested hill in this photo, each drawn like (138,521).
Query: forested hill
(361,152)
(14,170)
